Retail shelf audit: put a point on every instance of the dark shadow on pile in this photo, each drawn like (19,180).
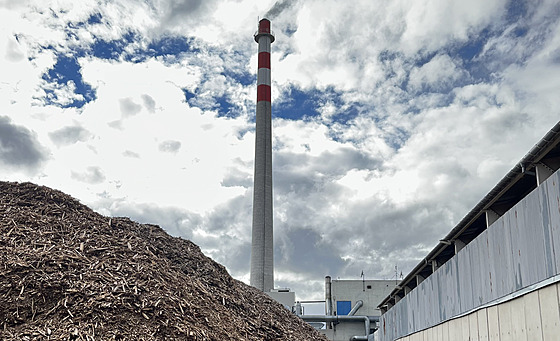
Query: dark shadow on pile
(68,273)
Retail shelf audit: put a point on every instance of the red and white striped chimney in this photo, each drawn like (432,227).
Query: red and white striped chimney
(262,250)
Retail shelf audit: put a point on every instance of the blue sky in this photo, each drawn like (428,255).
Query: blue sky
(391,119)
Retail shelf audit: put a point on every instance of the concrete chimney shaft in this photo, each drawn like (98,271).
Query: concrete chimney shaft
(262,249)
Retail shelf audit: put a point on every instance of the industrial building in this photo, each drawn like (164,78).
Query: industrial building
(351,311)
(496,274)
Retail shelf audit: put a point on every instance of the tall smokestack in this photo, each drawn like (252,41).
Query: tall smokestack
(262,251)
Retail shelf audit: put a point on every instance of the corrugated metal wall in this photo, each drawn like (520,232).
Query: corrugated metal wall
(520,249)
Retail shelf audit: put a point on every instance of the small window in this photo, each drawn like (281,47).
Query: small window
(369,286)
(343,307)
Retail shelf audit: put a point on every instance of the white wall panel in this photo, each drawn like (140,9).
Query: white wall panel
(493,323)
(465,328)
(437,333)
(445,331)
(455,329)
(519,330)
(548,300)
(482,320)
(531,308)
(473,326)
(505,320)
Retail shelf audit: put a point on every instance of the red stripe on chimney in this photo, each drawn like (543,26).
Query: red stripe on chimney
(264,26)
(264,60)
(263,93)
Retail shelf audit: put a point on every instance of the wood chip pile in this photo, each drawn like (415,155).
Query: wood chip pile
(68,273)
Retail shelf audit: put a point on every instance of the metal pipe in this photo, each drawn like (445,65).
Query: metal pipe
(299,309)
(339,318)
(355,308)
(328,299)
(361,338)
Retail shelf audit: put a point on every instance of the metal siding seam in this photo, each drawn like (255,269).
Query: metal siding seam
(477,262)
(516,228)
(536,249)
(394,324)
(456,293)
(410,311)
(429,288)
(438,303)
(506,262)
(484,294)
(418,312)
(432,287)
(465,274)
(447,288)
(550,263)
(553,191)
(493,258)
(444,289)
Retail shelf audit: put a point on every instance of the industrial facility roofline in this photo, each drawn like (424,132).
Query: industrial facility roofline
(510,190)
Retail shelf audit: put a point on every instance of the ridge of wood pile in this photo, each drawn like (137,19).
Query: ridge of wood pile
(69,273)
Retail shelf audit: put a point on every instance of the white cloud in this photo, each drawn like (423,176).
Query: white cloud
(437,74)
(20,151)
(433,24)
(410,135)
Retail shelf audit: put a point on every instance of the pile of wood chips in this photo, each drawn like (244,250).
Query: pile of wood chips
(68,273)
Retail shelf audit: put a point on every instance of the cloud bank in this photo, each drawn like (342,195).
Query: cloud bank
(390,120)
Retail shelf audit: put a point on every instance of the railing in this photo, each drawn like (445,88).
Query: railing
(271,32)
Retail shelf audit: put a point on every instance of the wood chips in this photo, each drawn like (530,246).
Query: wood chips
(68,273)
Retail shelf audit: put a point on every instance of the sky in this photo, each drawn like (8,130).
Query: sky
(391,119)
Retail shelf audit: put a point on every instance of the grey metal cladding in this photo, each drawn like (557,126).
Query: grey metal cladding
(518,250)
(552,229)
